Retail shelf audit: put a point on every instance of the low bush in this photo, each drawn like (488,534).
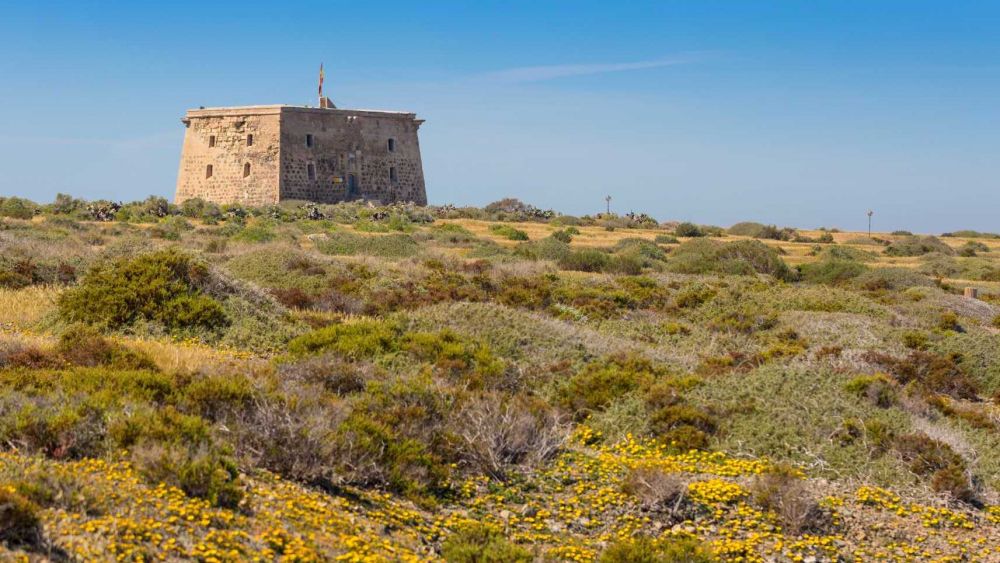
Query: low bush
(17,208)
(740,257)
(585,260)
(85,346)
(160,287)
(831,272)
(688,230)
(918,246)
(972,248)
(879,389)
(508,232)
(20,522)
(932,372)
(595,386)
(785,494)
(662,492)
(891,279)
(935,459)
(384,246)
(203,474)
(480,543)
(666,549)
(497,434)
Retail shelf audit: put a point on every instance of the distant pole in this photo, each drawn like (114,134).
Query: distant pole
(608,201)
(870,213)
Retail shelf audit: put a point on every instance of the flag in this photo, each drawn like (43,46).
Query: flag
(321,76)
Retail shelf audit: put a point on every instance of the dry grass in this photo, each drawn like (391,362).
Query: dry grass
(171,356)
(22,309)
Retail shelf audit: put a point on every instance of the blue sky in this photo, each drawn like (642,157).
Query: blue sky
(795,113)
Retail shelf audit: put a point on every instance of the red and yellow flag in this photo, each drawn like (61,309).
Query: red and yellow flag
(321,76)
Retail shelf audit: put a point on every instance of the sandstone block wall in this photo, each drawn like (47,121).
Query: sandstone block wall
(220,139)
(322,155)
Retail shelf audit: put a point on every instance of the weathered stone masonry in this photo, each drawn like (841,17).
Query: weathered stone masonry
(259,155)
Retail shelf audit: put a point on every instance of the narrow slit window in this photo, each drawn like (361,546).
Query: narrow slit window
(250,140)
(311,171)
(246,169)
(208,171)
(309,140)
(211,141)
(391,145)
(392,174)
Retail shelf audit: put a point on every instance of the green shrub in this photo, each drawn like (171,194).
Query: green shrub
(17,208)
(84,345)
(847,253)
(509,232)
(918,246)
(971,248)
(161,287)
(746,229)
(563,235)
(451,233)
(585,260)
(688,230)
(831,272)
(203,474)
(878,389)
(915,340)
(600,382)
(666,549)
(361,339)
(256,231)
(739,257)
(480,543)
(933,372)
(891,279)
(683,427)
(20,523)
(972,234)
(384,246)
(665,239)
(548,248)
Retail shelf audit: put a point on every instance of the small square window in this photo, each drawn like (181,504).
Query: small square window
(250,140)
(246,169)
(208,169)
(391,145)
(211,141)
(309,140)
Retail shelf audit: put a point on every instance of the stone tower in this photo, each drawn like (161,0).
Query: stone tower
(260,155)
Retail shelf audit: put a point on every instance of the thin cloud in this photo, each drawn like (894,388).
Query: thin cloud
(550,72)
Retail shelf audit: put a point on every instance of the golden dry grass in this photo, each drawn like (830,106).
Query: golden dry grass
(22,309)
(173,356)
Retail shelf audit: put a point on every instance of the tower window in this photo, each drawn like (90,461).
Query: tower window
(391,145)
(311,171)
(208,170)
(211,141)
(309,140)
(392,174)
(246,170)
(352,184)
(250,140)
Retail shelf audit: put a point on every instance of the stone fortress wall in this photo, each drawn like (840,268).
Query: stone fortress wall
(259,155)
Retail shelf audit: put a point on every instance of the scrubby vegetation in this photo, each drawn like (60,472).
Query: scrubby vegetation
(308,382)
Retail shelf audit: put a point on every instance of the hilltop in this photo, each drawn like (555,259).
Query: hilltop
(350,382)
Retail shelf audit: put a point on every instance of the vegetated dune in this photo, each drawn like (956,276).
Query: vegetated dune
(501,384)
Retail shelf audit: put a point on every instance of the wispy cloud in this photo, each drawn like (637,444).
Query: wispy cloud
(550,72)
